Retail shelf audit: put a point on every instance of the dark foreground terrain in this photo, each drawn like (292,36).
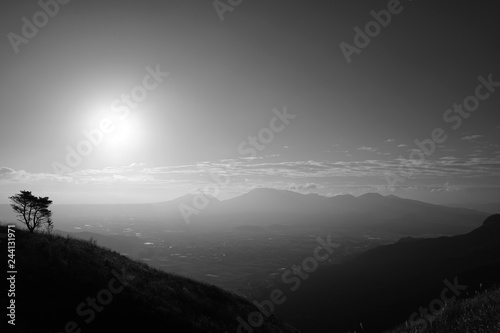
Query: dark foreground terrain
(442,284)
(68,285)
(478,314)
(392,284)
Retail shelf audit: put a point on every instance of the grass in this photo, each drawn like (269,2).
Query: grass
(56,274)
(478,314)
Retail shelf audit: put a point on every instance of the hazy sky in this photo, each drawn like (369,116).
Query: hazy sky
(272,70)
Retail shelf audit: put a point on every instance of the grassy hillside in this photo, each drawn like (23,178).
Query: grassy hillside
(62,280)
(479,314)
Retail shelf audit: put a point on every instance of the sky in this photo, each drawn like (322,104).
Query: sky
(145,101)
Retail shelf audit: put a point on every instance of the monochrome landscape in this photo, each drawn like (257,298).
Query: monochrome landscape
(250,166)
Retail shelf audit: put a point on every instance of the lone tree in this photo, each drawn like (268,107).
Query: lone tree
(32,211)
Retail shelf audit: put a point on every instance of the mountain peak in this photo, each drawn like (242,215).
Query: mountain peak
(260,190)
(266,191)
(371,195)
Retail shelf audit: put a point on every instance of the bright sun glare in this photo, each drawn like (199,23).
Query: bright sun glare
(125,135)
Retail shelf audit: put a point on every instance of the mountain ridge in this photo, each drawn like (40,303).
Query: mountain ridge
(263,206)
(385,285)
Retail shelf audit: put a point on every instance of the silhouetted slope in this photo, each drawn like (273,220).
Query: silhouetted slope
(384,286)
(478,314)
(118,243)
(57,275)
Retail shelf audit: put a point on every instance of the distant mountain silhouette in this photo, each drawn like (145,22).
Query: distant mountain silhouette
(263,207)
(384,286)
(368,212)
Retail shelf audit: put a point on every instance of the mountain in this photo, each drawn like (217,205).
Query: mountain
(69,285)
(490,207)
(264,207)
(370,212)
(386,285)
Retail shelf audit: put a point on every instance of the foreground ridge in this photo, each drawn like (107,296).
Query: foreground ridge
(479,314)
(69,285)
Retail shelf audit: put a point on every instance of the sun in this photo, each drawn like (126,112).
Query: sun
(126,135)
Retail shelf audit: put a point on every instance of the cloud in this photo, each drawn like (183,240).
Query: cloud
(137,165)
(402,145)
(472,137)
(300,187)
(445,188)
(367,148)
(6,172)
(21,176)
(310,186)
(252,158)
(390,140)
(307,174)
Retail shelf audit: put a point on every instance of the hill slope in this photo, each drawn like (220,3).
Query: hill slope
(384,286)
(479,314)
(69,285)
